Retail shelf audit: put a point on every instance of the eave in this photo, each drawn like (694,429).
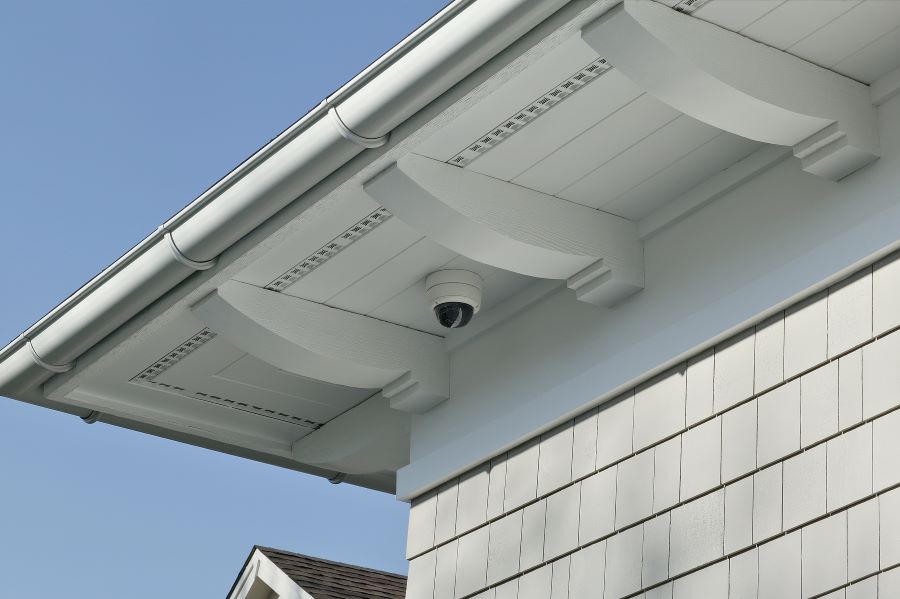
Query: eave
(391,139)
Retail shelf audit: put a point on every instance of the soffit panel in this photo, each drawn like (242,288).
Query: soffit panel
(859,39)
(522,89)
(629,168)
(173,409)
(355,262)
(681,175)
(409,307)
(320,225)
(186,371)
(597,145)
(598,101)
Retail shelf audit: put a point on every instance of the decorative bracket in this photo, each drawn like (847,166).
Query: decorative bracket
(370,437)
(514,228)
(332,345)
(741,86)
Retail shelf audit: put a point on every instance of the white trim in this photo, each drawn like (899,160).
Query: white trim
(260,569)
(328,344)
(55,368)
(346,133)
(715,187)
(180,257)
(514,228)
(886,87)
(776,238)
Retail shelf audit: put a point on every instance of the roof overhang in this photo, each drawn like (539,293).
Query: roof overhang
(538,143)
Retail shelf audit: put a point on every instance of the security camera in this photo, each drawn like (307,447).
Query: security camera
(454,295)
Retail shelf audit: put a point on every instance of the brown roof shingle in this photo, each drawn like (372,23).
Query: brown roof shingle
(324,579)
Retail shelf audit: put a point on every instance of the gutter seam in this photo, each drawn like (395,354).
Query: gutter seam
(179,255)
(55,368)
(286,136)
(353,137)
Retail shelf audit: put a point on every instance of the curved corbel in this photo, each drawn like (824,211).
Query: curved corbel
(370,437)
(514,228)
(332,345)
(741,86)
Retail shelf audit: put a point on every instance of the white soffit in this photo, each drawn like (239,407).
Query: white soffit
(859,39)
(189,368)
(378,273)
(606,144)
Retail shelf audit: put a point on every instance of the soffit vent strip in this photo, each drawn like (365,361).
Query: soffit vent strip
(234,404)
(329,250)
(175,356)
(520,119)
(689,6)
(193,343)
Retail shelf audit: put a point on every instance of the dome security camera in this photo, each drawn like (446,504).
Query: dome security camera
(454,296)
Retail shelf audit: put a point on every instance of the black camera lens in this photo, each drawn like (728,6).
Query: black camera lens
(453,315)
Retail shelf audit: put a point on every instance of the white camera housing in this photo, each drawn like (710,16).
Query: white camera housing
(454,296)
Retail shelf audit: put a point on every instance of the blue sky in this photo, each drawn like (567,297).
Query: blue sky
(114,115)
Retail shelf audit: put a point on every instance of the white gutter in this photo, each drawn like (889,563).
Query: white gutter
(360,115)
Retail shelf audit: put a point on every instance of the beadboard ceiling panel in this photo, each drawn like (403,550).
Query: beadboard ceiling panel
(681,175)
(391,278)
(856,38)
(597,145)
(629,168)
(598,101)
(355,262)
(736,14)
(409,308)
(533,82)
(792,21)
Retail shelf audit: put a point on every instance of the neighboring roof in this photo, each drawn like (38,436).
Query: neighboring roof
(324,579)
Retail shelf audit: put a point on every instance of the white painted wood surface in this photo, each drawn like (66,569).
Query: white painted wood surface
(514,228)
(737,85)
(324,343)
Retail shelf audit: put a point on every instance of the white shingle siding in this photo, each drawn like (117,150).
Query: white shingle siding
(666,474)
(559,578)
(739,514)
(768,366)
(733,377)
(634,489)
(659,408)
(701,458)
(472,499)
(743,575)
(862,539)
(597,510)
(805,335)
(721,478)
(555,459)
(445,521)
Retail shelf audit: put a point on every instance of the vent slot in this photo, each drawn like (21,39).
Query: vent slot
(147,377)
(329,250)
(531,112)
(689,6)
(231,403)
(175,356)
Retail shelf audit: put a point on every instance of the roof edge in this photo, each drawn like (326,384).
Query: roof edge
(446,49)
